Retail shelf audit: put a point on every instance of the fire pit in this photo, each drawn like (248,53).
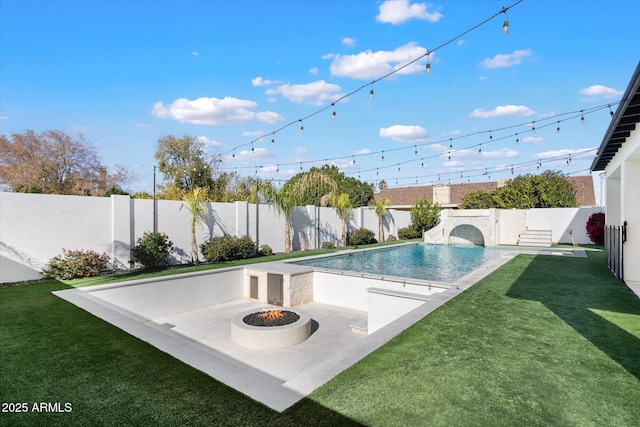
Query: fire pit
(270,329)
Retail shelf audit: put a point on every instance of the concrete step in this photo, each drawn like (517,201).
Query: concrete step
(538,238)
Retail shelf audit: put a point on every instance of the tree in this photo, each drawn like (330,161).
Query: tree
(54,162)
(184,166)
(550,189)
(595,228)
(291,194)
(360,193)
(481,199)
(381,211)
(194,202)
(343,206)
(425,215)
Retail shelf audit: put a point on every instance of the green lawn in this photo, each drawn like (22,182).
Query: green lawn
(544,340)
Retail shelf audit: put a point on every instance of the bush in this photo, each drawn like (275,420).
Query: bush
(328,245)
(361,236)
(152,249)
(78,263)
(595,228)
(391,238)
(265,250)
(227,248)
(409,232)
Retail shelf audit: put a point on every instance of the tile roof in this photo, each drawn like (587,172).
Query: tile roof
(407,196)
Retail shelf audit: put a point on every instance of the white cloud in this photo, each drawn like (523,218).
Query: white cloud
(533,139)
(252,133)
(398,11)
(506,60)
(460,42)
(259,81)
(213,111)
(549,114)
(453,164)
(362,152)
(3,117)
(503,110)
(208,142)
(195,53)
(402,133)
(300,150)
(368,64)
(483,78)
(348,41)
(599,90)
(574,154)
(257,153)
(451,133)
(313,70)
(141,125)
(468,154)
(315,93)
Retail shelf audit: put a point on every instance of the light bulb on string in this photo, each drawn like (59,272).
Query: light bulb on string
(371,94)
(277,168)
(558,128)
(610,111)
(517,139)
(377,172)
(354,161)
(233,156)
(490,137)
(533,127)
(333,115)
(382,158)
(252,149)
(415,150)
(505,24)
(582,116)
(273,141)
(480,149)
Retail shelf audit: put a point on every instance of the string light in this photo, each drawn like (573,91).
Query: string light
(301,126)
(582,116)
(428,66)
(558,128)
(333,115)
(533,128)
(610,111)
(399,68)
(518,139)
(505,24)
(382,158)
(415,150)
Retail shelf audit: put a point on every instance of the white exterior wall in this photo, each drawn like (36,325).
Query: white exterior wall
(385,308)
(35,227)
(623,203)
(162,297)
(562,222)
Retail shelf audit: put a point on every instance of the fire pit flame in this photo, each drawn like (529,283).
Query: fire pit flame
(271,315)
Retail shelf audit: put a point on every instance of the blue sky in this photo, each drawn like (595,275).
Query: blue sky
(126,73)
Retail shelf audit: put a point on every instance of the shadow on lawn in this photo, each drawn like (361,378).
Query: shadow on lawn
(573,289)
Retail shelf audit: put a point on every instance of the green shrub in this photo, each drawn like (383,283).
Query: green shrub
(78,263)
(227,248)
(152,249)
(362,236)
(265,250)
(409,232)
(391,238)
(328,245)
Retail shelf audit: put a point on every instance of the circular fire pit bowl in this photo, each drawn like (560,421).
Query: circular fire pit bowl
(270,329)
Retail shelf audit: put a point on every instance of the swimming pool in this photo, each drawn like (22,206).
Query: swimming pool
(442,263)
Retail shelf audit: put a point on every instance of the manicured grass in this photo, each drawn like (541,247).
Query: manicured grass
(545,340)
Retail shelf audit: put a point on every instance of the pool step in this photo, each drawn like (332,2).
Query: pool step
(538,238)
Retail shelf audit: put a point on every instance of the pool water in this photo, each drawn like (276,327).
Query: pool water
(442,263)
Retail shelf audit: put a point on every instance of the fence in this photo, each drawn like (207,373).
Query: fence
(35,227)
(614,237)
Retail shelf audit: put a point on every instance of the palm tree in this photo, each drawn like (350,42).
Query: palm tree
(290,195)
(381,211)
(194,202)
(342,204)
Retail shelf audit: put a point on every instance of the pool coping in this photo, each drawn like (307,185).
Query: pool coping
(265,388)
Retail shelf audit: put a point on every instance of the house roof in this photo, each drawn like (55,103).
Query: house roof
(623,123)
(407,196)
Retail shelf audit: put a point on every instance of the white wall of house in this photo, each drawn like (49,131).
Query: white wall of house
(35,227)
(623,203)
